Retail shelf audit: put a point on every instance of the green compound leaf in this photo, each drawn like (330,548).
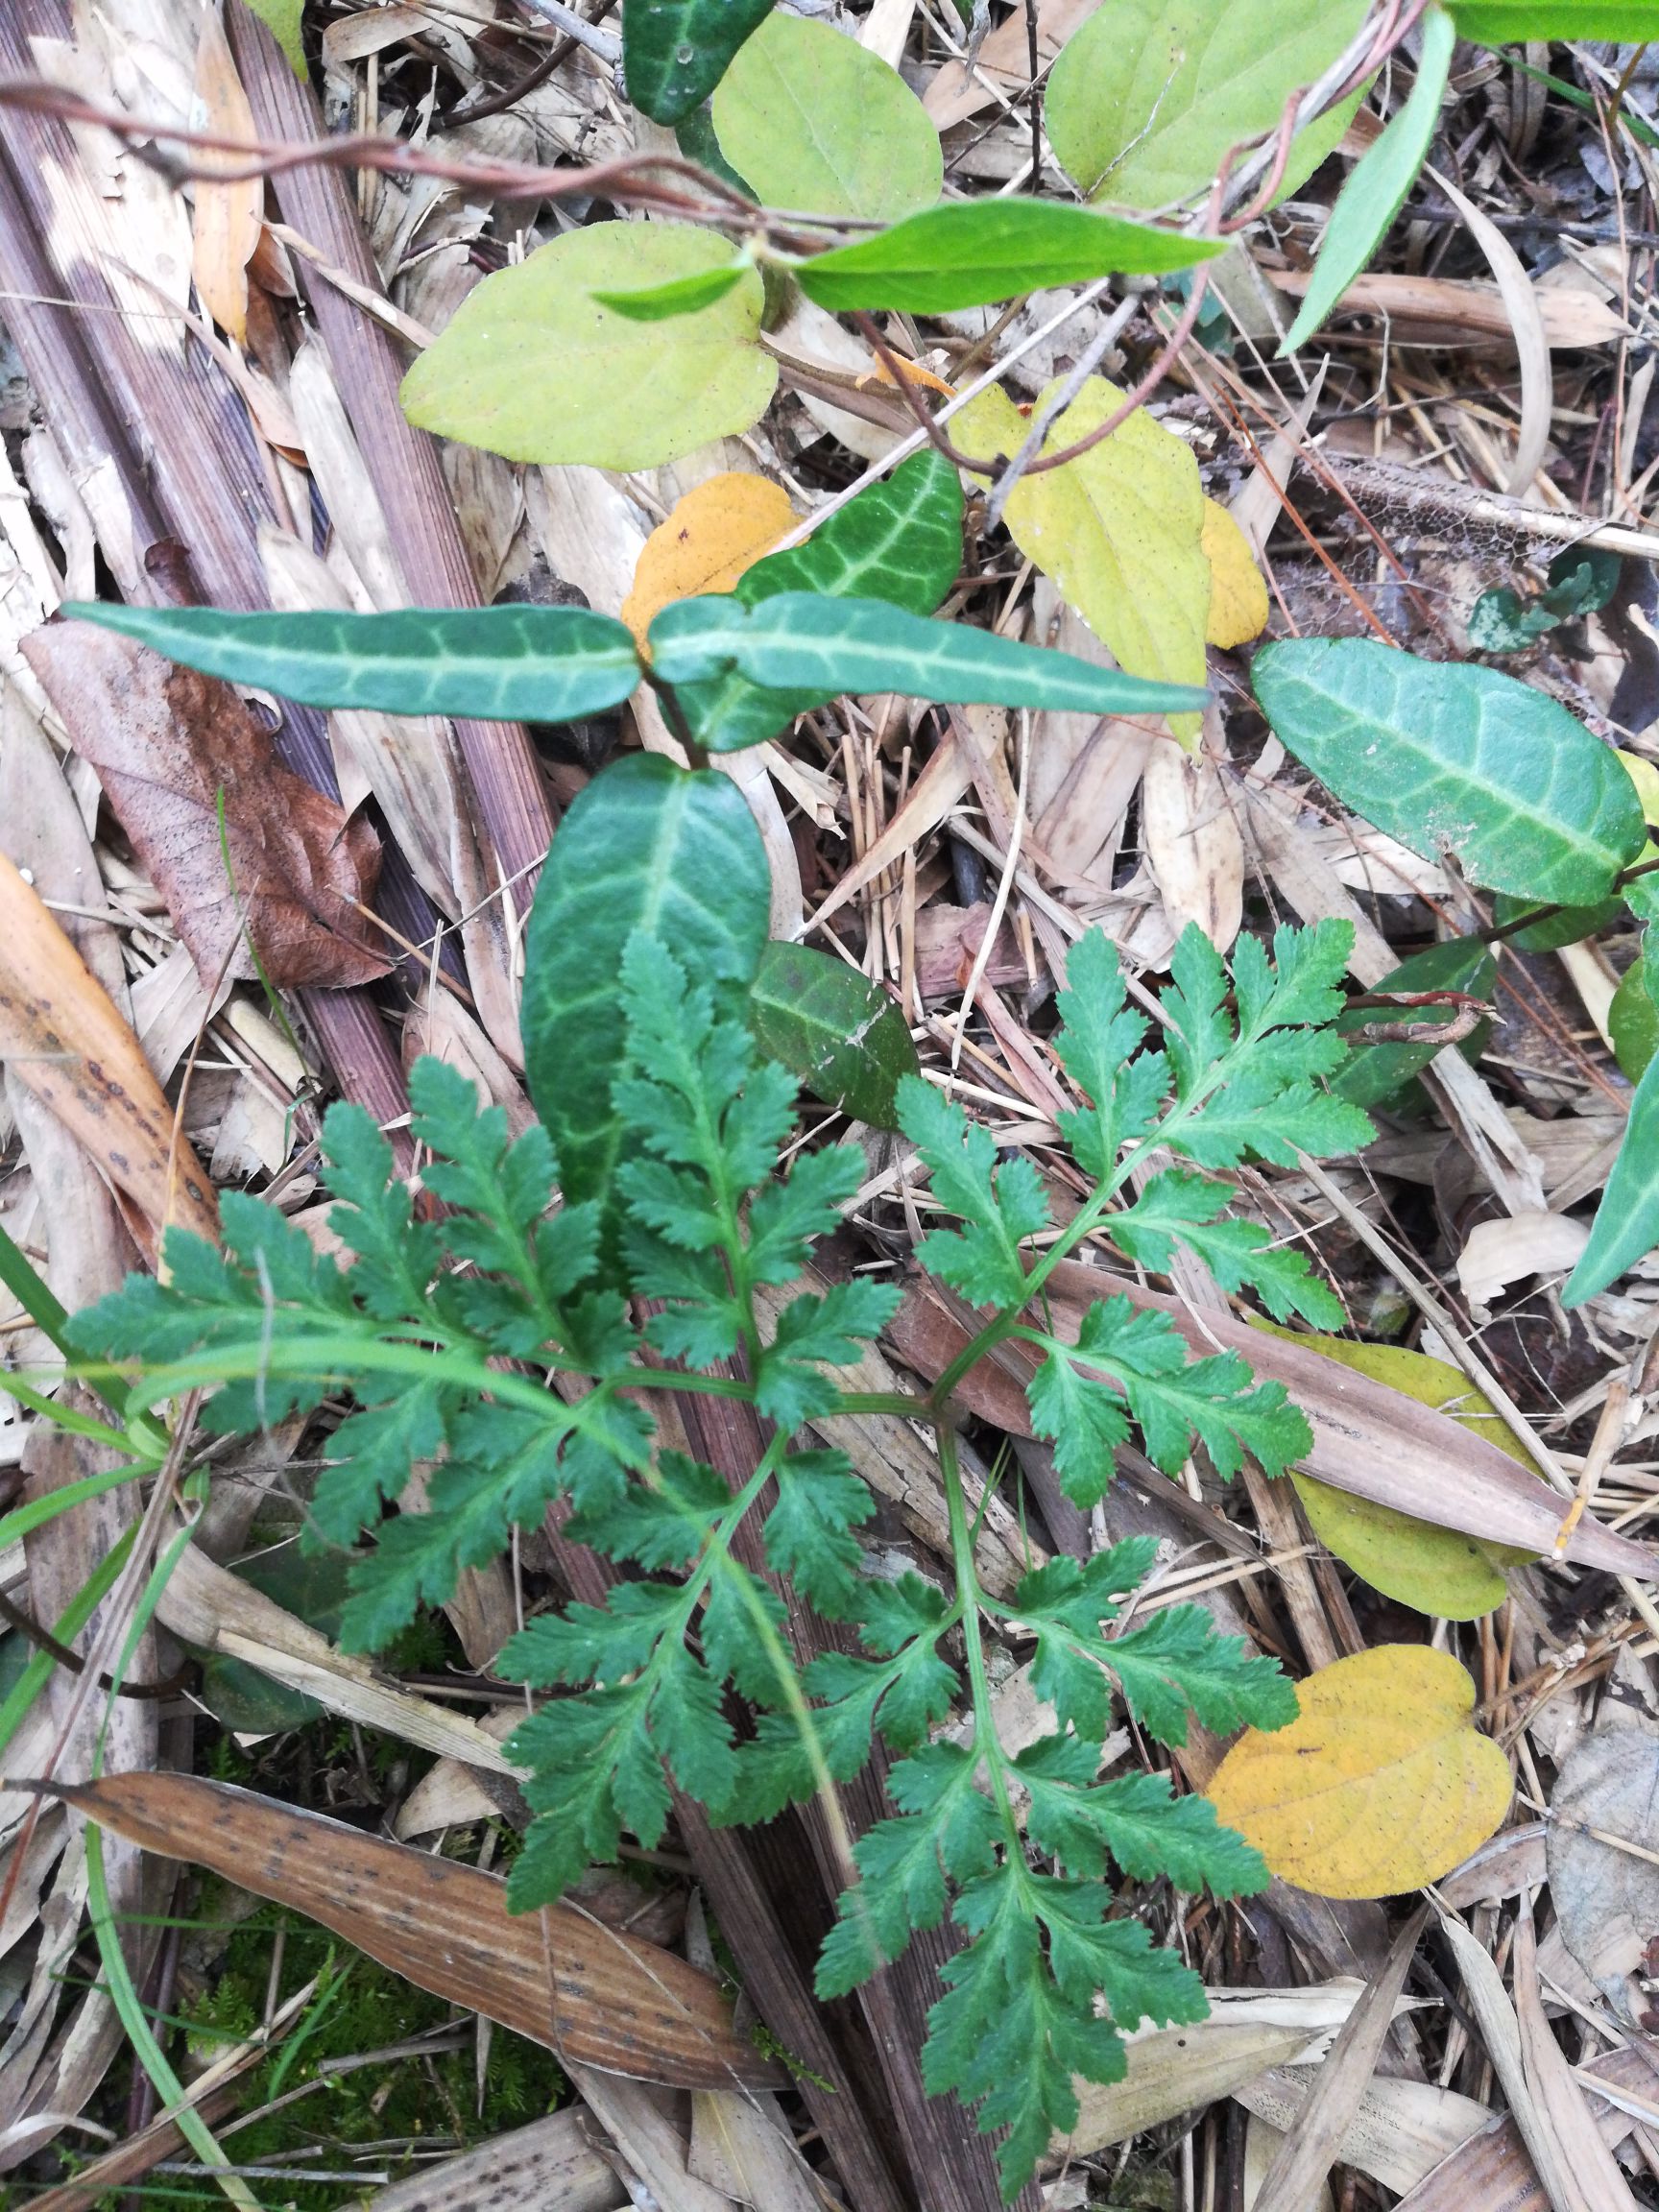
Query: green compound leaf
(494,664)
(1376,190)
(800,640)
(1626,1225)
(1515,22)
(650,847)
(1148,97)
(1457,759)
(972,253)
(1633,1022)
(531,366)
(814,122)
(836,1031)
(675,52)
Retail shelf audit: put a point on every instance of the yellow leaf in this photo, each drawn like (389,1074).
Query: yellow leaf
(1436,1571)
(1380,1783)
(1646,778)
(1237,592)
(711,537)
(1120,529)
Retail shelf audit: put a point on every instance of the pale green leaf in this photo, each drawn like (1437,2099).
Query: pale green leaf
(1119,530)
(1457,759)
(494,664)
(1148,97)
(675,52)
(831,1027)
(533,367)
(1376,190)
(970,252)
(813,122)
(650,847)
(801,640)
(1515,22)
(1626,1226)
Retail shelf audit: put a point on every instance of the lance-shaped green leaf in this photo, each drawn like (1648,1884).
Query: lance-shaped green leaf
(1626,1226)
(970,252)
(834,1029)
(899,540)
(801,639)
(1376,191)
(1515,22)
(494,664)
(1458,760)
(646,847)
(675,52)
(1632,1023)
(679,295)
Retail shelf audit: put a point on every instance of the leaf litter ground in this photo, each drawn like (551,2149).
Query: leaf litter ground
(964,849)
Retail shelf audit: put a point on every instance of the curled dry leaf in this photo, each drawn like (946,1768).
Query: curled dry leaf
(1380,1783)
(228,216)
(61,1035)
(593,1994)
(713,533)
(169,746)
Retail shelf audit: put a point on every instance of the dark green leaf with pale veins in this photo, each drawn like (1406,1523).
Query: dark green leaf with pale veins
(831,1026)
(493,664)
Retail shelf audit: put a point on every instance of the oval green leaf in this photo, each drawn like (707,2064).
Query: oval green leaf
(1148,96)
(648,847)
(675,52)
(832,1028)
(801,639)
(1515,22)
(1633,1022)
(899,540)
(1376,190)
(531,366)
(1627,1224)
(493,664)
(813,122)
(1571,925)
(1457,759)
(974,252)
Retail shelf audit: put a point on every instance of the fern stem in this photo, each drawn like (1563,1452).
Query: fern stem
(987,1744)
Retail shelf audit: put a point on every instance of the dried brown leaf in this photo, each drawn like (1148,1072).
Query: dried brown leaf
(596,1996)
(167,743)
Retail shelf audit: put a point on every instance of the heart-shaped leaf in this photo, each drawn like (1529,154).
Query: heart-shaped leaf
(533,365)
(1458,760)
(1379,1785)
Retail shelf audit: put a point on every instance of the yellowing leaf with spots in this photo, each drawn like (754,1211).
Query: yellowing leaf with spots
(1237,588)
(1120,529)
(1646,778)
(1382,1783)
(710,538)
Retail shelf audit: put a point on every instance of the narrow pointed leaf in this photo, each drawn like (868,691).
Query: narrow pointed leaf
(799,640)
(1457,759)
(679,295)
(1626,1226)
(972,251)
(1376,190)
(1515,22)
(494,664)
